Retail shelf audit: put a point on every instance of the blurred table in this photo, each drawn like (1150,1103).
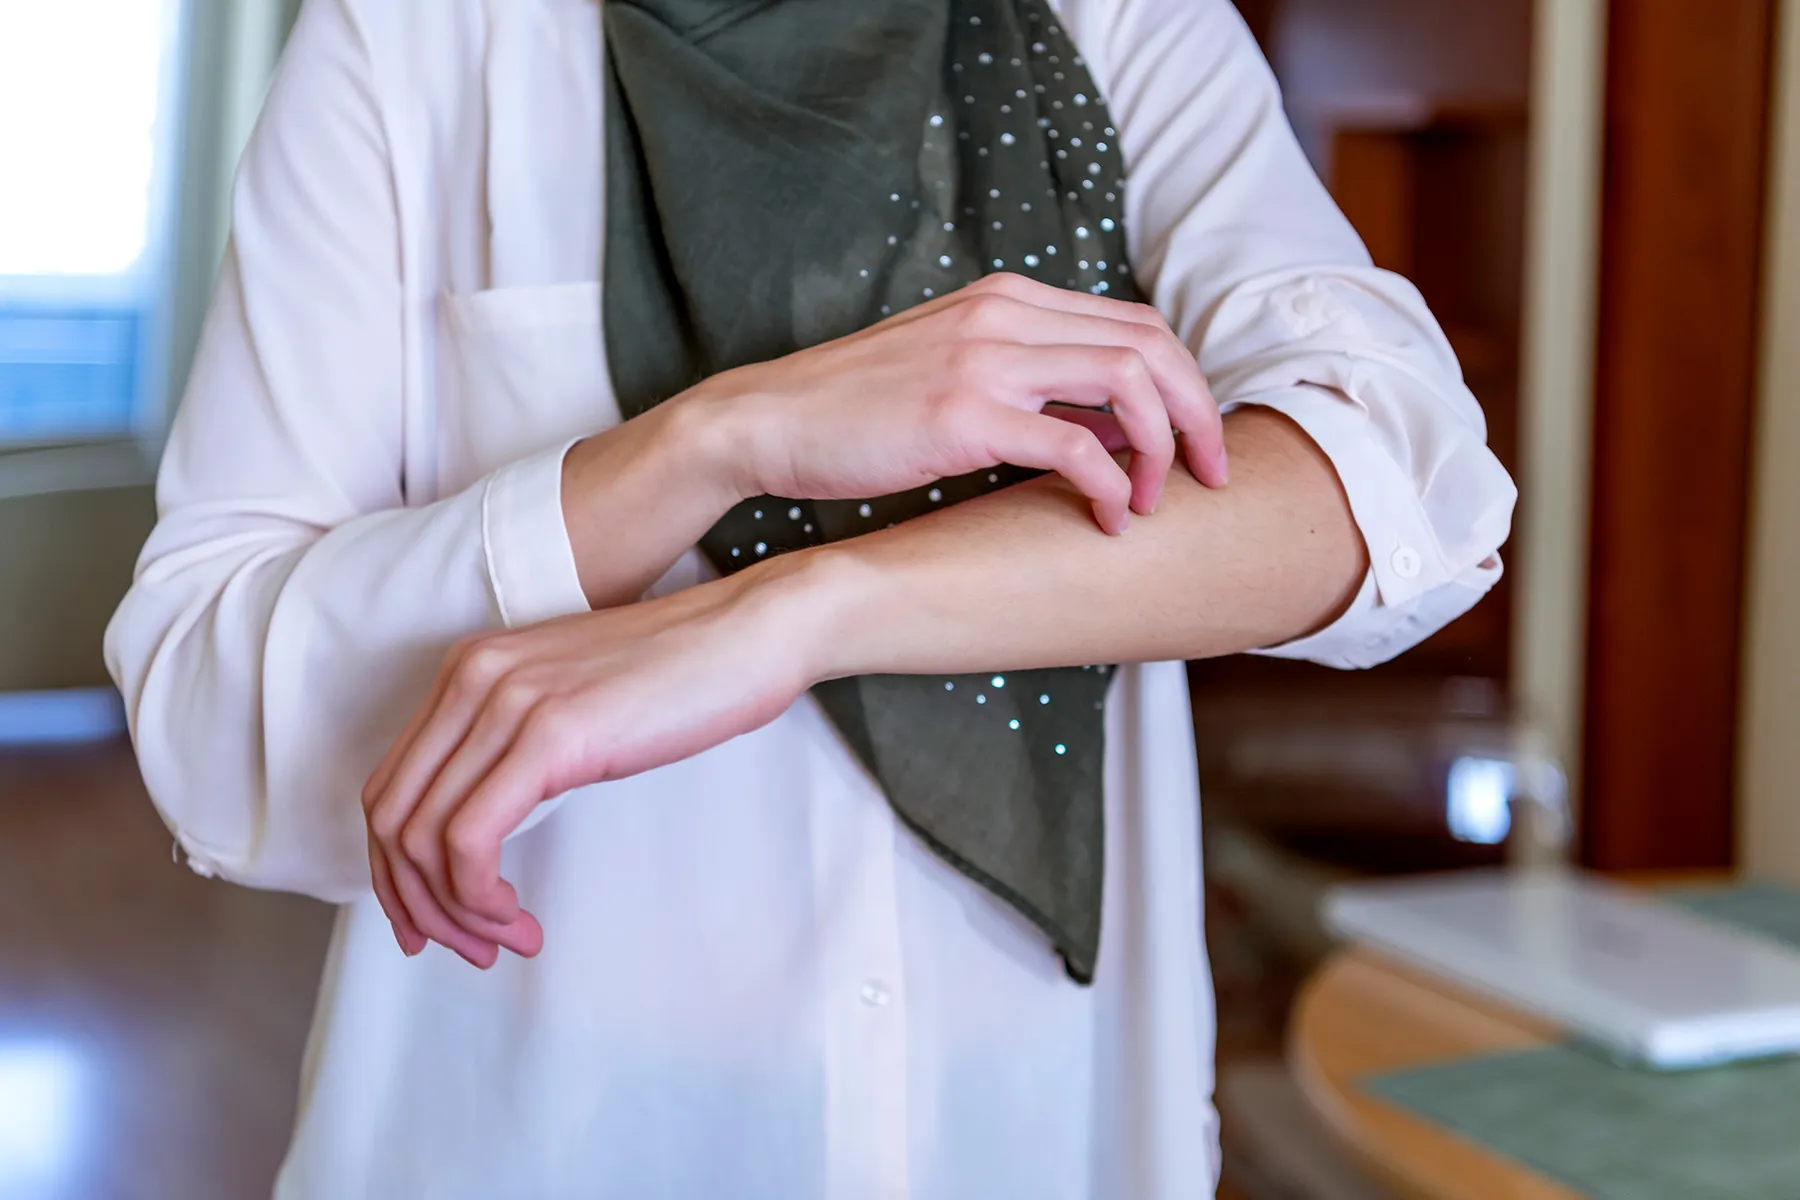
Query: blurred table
(1361,1014)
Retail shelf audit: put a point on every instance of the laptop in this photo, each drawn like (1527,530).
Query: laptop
(1648,982)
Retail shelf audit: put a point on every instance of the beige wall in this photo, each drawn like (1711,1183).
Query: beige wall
(1550,561)
(65,560)
(1769,758)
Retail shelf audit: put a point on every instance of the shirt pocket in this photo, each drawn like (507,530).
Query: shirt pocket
(526,370)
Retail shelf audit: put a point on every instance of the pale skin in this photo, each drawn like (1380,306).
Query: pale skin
(1053,572)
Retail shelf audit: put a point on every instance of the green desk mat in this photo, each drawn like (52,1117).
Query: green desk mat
(1618,1133)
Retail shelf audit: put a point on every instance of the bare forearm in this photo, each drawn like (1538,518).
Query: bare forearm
(955,385)
(1023,578)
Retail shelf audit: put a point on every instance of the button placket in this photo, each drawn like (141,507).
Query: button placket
(880,1050)
(864,1003)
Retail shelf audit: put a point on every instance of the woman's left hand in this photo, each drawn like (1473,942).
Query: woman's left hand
(519,717)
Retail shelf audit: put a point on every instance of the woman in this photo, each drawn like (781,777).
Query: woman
(535,577)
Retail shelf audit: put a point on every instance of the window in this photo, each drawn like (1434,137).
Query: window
(89,143)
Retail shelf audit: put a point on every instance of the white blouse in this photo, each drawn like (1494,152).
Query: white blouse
(757,983)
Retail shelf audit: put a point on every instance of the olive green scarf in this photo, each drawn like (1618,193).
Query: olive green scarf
(781,173)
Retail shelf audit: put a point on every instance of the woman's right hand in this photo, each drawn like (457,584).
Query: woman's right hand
(960,384)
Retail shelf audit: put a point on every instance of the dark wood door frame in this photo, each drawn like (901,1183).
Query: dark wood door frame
(1687,112)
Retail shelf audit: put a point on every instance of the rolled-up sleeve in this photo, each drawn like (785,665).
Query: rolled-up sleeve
(1242,248)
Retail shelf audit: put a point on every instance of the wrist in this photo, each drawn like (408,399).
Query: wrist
(709,422)
(672,443)
(635,496)
(822,604)
(688,447)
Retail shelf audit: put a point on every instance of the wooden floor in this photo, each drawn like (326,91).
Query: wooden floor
(151,1022)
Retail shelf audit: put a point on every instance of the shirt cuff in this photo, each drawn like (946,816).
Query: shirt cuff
(1369,633)
(531,565)
(1410,591)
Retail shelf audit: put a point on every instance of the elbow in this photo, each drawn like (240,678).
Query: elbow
(199,748)
(186,655)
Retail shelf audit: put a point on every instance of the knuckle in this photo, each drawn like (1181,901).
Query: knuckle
(985,314)
(1101,477)
(483,663)
(1143,338)
(418,844)
(513,695)
(1077,445)
(385,824)
(1150,343)
(466,842)
(1126,365)
(1002,283)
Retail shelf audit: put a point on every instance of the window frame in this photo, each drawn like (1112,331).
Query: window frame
(223,54)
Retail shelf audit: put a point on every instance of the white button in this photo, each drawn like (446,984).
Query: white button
(1307,313)
(875,995)
(1407,563)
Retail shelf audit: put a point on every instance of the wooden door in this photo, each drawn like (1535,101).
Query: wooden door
(1687,140)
